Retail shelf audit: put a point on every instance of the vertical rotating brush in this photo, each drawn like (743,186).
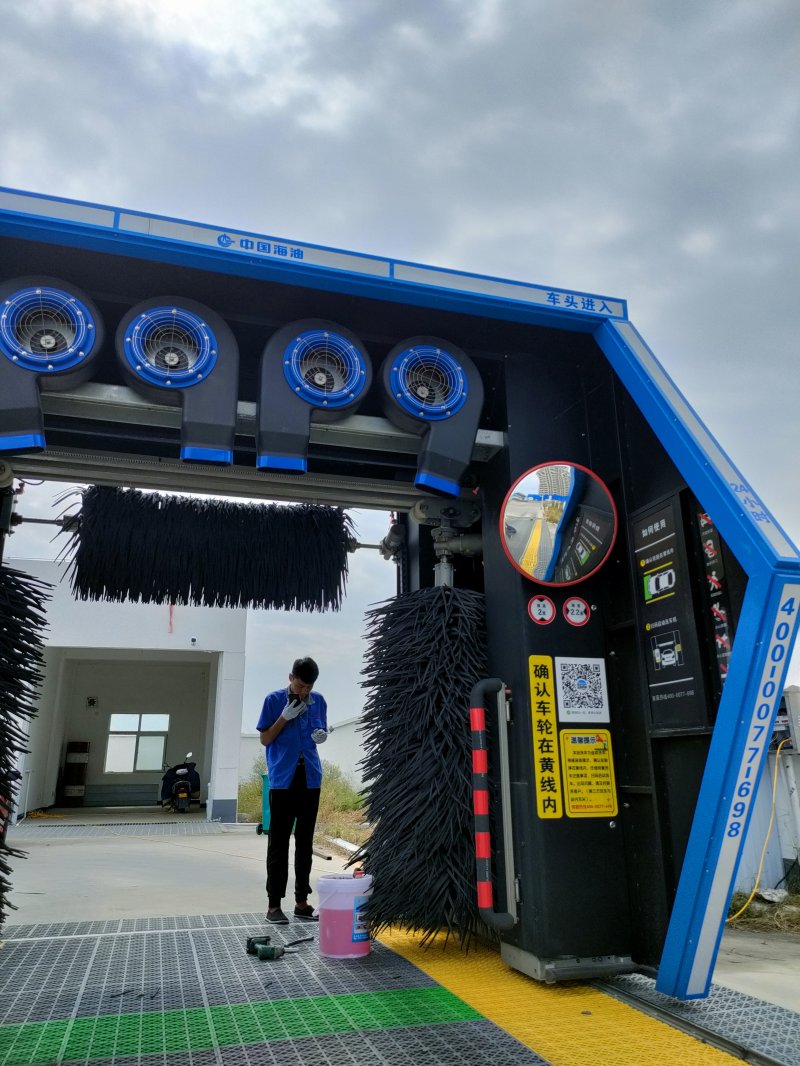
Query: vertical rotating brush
(425,652)
(22,609)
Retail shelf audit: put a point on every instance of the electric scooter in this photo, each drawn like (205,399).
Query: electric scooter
(180,786)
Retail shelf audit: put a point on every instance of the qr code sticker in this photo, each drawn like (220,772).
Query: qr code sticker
(581,690)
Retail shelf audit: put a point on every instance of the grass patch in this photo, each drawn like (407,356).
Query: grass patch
(250,788)
(341,807)
(766,917)
(341,811)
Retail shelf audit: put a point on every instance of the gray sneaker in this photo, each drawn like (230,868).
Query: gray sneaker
(276,917)
(306,914)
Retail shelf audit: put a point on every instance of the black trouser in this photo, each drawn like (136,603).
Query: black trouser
(296,805)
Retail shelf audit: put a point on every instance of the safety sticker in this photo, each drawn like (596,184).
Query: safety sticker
(577,611)
(542,610)
(589,787)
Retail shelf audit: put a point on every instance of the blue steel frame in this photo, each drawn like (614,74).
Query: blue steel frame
(769,618)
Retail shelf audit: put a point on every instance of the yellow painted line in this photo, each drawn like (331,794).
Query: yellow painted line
(666,596)
(528,560)
(568,1024)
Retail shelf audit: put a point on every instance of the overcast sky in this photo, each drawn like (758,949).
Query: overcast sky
(637,149)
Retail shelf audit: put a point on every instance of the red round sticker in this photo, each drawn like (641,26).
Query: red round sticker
(577,611)
(542,610)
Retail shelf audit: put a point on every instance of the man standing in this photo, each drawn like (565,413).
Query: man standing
(293,722)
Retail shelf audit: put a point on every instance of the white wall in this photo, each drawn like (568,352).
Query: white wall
(77,623)
(773,868)
(343,748)
(250,749)
(179,689)
(45,740)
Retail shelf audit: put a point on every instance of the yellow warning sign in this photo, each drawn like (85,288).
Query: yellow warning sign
(589,787)
(544,724)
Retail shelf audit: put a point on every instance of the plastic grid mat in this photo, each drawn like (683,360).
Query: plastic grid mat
(469,1043)
(134,925)
(190,978)
(33,832)
(48,979)
(183,992)
(771,1030)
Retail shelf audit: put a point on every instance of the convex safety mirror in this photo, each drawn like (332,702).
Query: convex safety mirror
(558,523)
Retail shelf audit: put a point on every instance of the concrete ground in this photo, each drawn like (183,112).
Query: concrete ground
(219,869)
(80,878)
(765,965)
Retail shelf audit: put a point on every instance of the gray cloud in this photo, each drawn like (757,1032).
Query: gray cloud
(648,151)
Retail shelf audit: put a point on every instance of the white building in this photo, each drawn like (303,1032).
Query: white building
(106,659)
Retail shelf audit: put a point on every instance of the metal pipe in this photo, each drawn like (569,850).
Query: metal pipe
(443,572)
(499,920)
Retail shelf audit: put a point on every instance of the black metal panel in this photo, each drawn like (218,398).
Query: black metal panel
(563,909)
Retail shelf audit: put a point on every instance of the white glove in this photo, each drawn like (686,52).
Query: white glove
(319,736)
(294,707)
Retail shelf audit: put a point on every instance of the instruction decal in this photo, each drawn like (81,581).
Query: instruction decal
(666,615)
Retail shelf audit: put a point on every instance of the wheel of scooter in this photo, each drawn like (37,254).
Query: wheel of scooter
(259,829)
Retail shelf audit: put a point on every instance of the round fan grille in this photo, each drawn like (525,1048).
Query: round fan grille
(428,382)
(324,368)
(170,347)
(45,330)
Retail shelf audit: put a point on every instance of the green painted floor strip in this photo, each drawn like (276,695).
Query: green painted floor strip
(198,1029)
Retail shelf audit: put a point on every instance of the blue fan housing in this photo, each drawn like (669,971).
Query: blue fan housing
(324,369)
(170,347)
(46,330)
(428,382)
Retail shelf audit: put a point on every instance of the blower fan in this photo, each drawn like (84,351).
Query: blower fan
(327,372)
(50,334)
(171,347)
(176,351)
(432,388)
(429,382)
(324,368)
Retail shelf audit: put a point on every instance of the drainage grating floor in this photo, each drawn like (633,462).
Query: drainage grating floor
(772,1031)
(31,832)
(183,991)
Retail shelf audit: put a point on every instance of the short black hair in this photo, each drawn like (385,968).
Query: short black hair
(305,670)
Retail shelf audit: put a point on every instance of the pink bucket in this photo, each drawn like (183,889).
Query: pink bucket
(343,932)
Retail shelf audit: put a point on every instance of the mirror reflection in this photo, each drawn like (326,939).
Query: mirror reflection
(558,523)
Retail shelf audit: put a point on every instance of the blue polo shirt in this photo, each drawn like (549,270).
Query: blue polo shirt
(295,739)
